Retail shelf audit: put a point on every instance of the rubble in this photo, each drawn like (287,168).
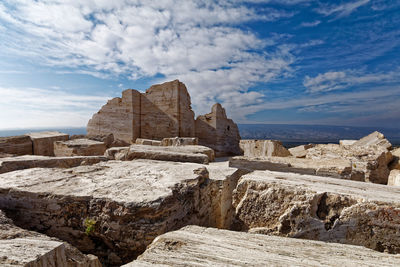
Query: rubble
(373,139)
(300,151)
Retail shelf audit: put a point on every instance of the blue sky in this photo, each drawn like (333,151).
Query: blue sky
(287,61)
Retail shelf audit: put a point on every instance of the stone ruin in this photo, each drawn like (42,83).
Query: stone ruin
(168,200)
(164,111)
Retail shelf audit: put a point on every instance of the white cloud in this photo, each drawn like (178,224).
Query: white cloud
(336,80)
(341,10)
(195,41)
(310,24)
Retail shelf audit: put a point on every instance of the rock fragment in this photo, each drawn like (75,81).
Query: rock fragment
(43,142)
(180,141)
(300,151)
(374,139)
(263,148)
(16,145)
(79,147)
(394,177)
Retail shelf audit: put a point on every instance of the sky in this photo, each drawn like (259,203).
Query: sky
(265,61)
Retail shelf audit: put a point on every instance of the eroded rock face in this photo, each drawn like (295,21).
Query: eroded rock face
(19,247)
(394,178)
(319,208)
(147,142)
(16,145)
(373,139)
(180,141)
(198,246)
(263,148)
(215,130)
(395,164)
(114,209)
(43,142)
(79,147)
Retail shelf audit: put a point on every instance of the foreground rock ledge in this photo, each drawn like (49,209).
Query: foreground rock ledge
(115,209)
(319,208)
(198,246)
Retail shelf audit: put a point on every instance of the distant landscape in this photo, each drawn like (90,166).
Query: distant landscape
(290,135)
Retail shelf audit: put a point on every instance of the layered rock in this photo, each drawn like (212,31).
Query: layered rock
(180,141)
(263,148)
(373,139)
(215,130)
(27,162)
(19,247)
(16,145)
(43,142)
(198,246)
(114,209)
(79,147)
(319,208)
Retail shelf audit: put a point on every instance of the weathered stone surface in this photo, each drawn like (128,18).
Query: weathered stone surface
(19,247)
(263,148)
(199,246)
(180,141)
(126,203)
(117,153)
(215,130)
(337,168)
(16,145)
(300,151)
(319,208)
(395,164)
(43,142)
(79,147)
(347,142)
(27,162)
(147,142)
(166,154)
(372,160)
(108,140)
(394,177)
(374,139)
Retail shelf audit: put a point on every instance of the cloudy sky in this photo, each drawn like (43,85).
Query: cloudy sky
(286,61)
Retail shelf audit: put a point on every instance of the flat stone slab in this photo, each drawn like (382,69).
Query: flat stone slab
(198,246)
(180,141)
(19,247)
(79,147)
(43,142)
(16,145)
(27,162)
(115,209)
(319,208)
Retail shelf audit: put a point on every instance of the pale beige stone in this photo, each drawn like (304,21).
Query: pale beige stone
(79,147)
(263,148)
(43,142)
(147,142)
(129,202)
(374,139)
(180,141)
(16,145)
(33,161)
(300,151)
(395,164)
(199,246)
(117,153)
(319,208)
(394,178)
(218,132)
(347,142)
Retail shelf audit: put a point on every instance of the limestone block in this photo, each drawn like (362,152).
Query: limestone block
(79,147)
(374,139)
(394,177)
(180,141)
(395,164)
(43,142)
(263,148)
(199,246)
(117,153)
(126,203)
(27,162)
(19,247)
(300,151)
(218,132)
(108,139)
(336,168)
(347,142)
(16,145)
(319,208)
(147,142)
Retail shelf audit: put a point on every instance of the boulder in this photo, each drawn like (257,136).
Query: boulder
(263,148)
(147,142)
(19,247)
(395,164)
(16,145)
(319,208)
(27,162)
(394,178)
(114,209)
(43,142)
(180,141)
(199,246)
(79,147)
(300,151)
(347,142)
(373,139)
(216,131)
